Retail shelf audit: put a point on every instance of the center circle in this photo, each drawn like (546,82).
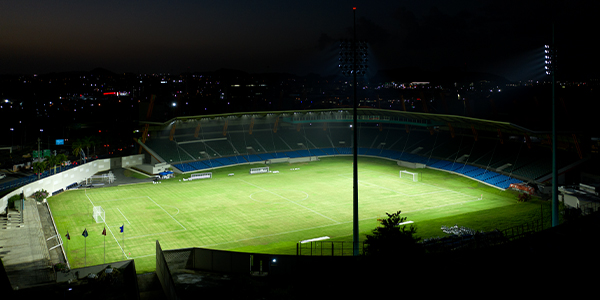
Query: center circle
(274,196)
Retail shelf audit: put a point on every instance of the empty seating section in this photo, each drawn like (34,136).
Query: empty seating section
(221,148)
(476,159)
(341,137)
(242,140)
(195,150)
(167,150)
(381,137)
(317,137)
(367,136)
(292,138)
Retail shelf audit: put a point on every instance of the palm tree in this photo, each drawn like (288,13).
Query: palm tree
(87,142)
(61,158)
(95,141)
(77,146)
(56,160)
(52,161)
(39,167)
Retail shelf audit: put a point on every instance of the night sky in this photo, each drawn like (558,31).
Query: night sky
(500,37)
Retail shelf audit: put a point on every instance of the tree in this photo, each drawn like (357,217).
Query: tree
(391,239)
(61,158)
(52,161)
(77,146)
(56,160)
(39,167)
(87,143)
(95,141)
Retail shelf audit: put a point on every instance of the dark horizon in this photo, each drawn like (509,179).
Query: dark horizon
(504,38)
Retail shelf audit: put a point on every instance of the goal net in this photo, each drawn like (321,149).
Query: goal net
(409,175)
(98,214)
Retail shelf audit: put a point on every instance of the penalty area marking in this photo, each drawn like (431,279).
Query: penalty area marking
(111,233)
(123,216)
(139,236)
(175,207)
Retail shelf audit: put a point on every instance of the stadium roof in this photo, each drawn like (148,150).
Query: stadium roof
(367,115)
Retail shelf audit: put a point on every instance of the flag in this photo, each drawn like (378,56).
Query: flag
(122,228)
(67,235)
(85,234)
(104,231)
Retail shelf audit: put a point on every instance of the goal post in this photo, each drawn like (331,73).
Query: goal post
(414,176)
(99,214)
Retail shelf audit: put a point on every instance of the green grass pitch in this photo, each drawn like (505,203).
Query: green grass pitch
(271,212)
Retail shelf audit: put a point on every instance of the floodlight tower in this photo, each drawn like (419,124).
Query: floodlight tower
(353,56)
(550,66)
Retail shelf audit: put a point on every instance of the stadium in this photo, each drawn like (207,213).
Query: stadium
(280,184)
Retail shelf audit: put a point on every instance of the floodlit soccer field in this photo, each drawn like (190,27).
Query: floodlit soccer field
(260,213)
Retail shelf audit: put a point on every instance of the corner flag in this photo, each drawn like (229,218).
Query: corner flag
(85,234)
(68,236)
(122,228)
(104,231)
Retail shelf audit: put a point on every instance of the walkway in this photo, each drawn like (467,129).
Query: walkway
(23,248)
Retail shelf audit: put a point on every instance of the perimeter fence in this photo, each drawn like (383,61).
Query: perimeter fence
(328,248)
(445,244)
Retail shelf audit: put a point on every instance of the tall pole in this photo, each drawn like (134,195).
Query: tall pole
(355,163)
(554,170)
(39,156)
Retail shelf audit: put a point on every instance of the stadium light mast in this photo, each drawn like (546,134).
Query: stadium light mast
(353,63)
(550,66)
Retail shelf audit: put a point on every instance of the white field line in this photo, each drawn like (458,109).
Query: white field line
(326,217)
(421,194)
(415,183)
(143,256)
(312,228)
(101,201)
(352,173)
(85,191)
(444,205)
(274,234)
(111,233)
(167,213)
(123,216)
(151,234)
(175,207)
(368,184)
(322,226)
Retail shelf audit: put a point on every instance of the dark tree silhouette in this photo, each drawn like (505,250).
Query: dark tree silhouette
(391,239)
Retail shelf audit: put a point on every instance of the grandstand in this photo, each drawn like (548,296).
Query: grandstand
(474,148)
